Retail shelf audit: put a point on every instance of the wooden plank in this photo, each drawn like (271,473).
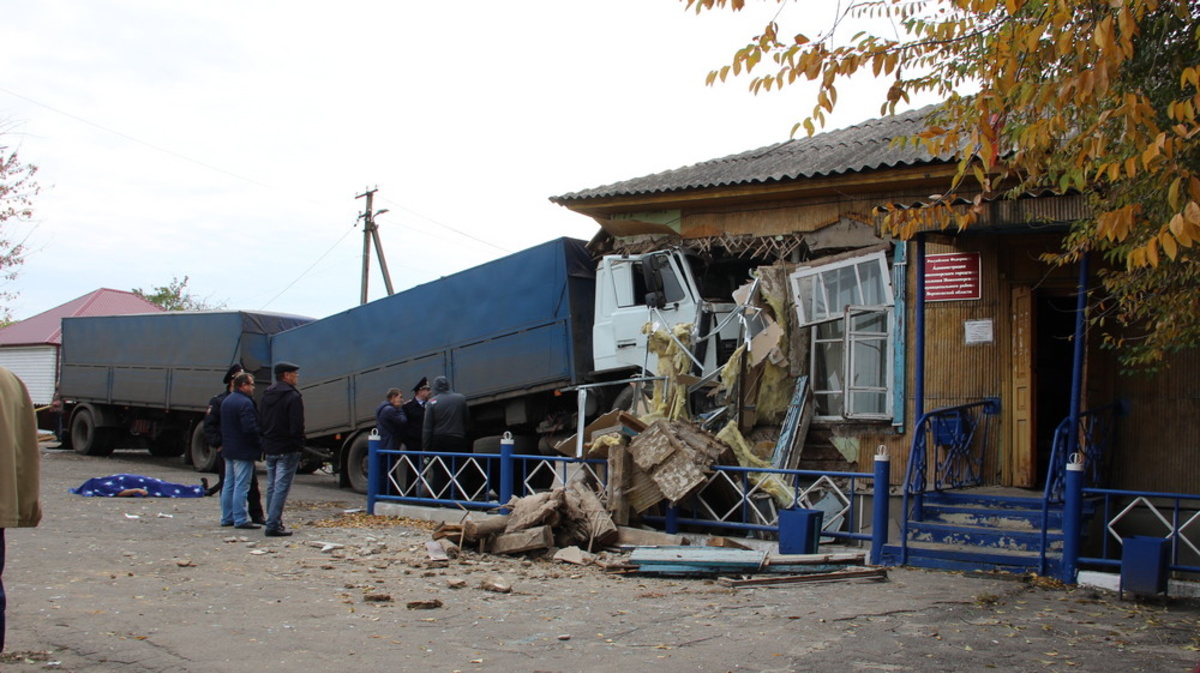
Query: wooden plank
(643,492)
(619,482)
(529,539)
(628,537)
(436,553)
(815,559)
(714,557)
(653,446)
(840,576)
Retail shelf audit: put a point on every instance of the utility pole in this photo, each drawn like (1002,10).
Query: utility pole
(371,233)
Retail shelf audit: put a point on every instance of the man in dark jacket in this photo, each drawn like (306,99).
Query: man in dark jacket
(241,446)
(391,420)
(283,441)
(444,427)
(414,411)
(212,434)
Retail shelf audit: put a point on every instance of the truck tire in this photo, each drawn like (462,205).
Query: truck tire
(204,457)
(86,438)
(624,399)
(357,458)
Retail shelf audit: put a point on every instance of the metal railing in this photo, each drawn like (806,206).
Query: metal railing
(1097,427)
(1177,513)
(735,498)
(957,434)
(473,480)
(748,500)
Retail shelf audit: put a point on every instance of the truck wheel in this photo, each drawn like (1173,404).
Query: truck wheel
(624,399)
(86,438)
(204,457)
(357,462)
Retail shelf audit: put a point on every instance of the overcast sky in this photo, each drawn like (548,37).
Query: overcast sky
(226,141)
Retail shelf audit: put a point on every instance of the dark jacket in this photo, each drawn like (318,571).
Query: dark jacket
(446,414)
(282,419)
(239,428)
(212,420)
(391,421)
(414,411)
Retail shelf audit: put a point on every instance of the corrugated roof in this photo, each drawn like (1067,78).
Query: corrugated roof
(46,327)
(862,147)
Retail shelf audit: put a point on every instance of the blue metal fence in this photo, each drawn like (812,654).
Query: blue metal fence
(746,500)
(1177,516)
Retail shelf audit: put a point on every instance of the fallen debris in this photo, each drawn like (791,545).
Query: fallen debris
(431,604)
(378,598)
(574,555)
(495,584)
(836,576)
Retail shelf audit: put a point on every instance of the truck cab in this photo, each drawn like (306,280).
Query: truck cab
(662,288)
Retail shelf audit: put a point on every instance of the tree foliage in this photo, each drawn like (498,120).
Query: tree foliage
(174,296)
(17,189)
(1101,97)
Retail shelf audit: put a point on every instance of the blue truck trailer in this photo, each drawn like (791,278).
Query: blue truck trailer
(512,335)
(148,378)
(508,334)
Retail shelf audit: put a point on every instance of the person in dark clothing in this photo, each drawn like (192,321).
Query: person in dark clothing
(241,446)
(212,433)
(414,411)
(391,420)
(444,427)
(283,441)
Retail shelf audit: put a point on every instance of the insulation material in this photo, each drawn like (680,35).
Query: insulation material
(771,484)
(776,385)
(670,396)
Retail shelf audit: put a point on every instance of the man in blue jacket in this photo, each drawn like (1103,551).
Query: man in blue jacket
(283,441)
(240,446)
(391,420)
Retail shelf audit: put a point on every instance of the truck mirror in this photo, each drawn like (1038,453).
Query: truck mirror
(656,299)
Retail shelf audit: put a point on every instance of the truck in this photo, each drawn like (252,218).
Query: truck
(146,379)
(514,335)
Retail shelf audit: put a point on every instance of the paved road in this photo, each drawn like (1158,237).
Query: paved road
(136,585)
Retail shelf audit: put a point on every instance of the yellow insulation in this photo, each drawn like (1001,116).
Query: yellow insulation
(670,396)
(770,483)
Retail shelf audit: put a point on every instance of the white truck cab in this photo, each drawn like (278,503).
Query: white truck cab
(658,288)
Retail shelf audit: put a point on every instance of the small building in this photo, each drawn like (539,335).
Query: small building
(951,335)
(30,348)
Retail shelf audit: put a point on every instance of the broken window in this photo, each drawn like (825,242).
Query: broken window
(847,303)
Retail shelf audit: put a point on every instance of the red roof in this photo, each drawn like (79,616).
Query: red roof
(46,327)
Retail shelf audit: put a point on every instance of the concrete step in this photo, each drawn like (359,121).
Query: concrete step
(957,557)
(984,536)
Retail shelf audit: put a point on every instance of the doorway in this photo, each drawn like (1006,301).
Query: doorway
(1043,329)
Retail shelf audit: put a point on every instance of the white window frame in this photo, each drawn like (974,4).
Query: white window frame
(814,309)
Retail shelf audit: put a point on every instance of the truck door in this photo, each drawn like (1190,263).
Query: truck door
(630,292)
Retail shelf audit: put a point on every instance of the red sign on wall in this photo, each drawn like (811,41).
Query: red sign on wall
(952,276)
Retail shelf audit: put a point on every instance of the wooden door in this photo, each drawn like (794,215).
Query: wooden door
(1022,415)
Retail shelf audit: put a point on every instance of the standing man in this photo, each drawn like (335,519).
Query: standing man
(212,434)
(414,411)
(283,441)
(391,420)
(241,446)
(444,427)
(19,467)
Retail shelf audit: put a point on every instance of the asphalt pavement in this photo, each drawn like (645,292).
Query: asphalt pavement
(149,584)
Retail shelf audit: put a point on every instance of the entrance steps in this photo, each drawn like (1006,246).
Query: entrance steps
(986,529)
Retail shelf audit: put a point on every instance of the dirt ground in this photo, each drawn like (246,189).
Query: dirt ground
(156,585)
